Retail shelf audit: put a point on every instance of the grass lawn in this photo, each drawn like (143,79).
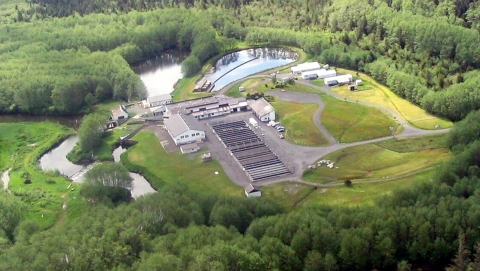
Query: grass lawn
(318,82)
(21,145)
(362,194)
(376,161)
(295,196)
(350,122)
(298,119)
(379,94)
(288,194)
(178,168)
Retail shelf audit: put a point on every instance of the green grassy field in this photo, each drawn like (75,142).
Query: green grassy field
(374,92)
(362,194)
(297,196)
(349,122)
(298,119)
(176,167)
(318,82)
(383,160)
(22,144)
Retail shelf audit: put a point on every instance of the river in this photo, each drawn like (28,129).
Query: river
(160,74)
(56,160)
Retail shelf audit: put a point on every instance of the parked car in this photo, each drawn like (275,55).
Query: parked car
(277,124)
(281,129)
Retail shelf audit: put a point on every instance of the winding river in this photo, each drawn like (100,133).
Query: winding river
(56,160)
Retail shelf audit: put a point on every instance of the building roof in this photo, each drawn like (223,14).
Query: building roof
(185,107)
(261,107)
(189,146)
(178,124)
(250,189)
(120,111)
(159,98)
(339,78)
(321,72)
(306,66)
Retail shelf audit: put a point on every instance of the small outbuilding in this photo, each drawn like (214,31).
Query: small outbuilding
(263,110)
(119,114)
(358,82)
(252,191)
(241,89)
(189,148)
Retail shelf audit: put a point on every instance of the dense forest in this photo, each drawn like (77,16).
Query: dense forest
(425,52)
(62,56)
(178,229)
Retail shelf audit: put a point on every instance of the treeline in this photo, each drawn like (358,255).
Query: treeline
(178,229)
(52,66)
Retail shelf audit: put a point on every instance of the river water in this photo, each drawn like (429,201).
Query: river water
(56,160)
(160,74)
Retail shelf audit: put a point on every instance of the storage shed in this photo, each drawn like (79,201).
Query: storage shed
(189,148)
(358,82)
(119,114)
(252,191)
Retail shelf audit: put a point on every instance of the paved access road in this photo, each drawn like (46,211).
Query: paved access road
(299,157)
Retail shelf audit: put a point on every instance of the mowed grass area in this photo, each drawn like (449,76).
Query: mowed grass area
(22,145)
(376,161)
(263,85)
(364,193)
(297,196)
(350,122)
(289,194)
(298,121)
(376,93)
(176,167)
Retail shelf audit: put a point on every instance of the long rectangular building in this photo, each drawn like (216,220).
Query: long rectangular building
(305,67)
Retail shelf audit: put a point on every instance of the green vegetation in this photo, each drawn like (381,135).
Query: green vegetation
(376,93)
(298,121)
(350,122)
(360,194)
(44,193)
(177,168)
(107,181)
(425,52)
(384,160)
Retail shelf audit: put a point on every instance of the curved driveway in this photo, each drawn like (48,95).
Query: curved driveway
(300,156)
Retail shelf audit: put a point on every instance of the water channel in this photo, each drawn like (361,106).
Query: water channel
(56,160)
(243,63)
(159,76)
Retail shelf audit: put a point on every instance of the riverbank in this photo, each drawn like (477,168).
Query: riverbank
(43,193)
